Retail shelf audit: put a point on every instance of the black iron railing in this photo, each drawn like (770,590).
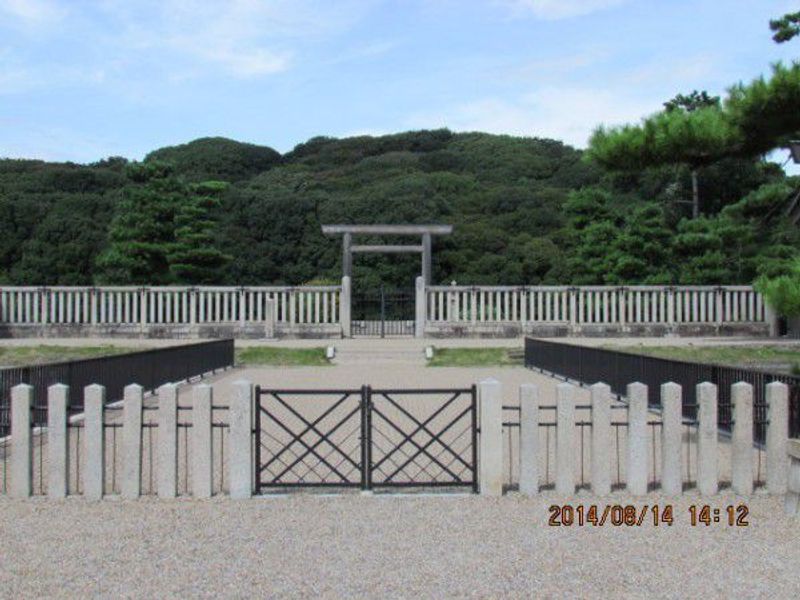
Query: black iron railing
(149,368)
(590,365)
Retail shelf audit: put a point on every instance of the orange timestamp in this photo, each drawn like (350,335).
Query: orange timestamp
(629,515)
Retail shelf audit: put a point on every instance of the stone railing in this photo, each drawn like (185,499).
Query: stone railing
(561,310)
(171,310)
(630,444)
(572,438)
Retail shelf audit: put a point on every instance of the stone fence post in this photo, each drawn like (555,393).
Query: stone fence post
(167,480)
(671,439)
(240,454)
(707,444)
(601,439)
(20,485)
(638,455)
(792,501)
(777,437)
(132,441)
(565,434)
(57,441)
(201,441)
(490,403)
(94,400)
(742,438)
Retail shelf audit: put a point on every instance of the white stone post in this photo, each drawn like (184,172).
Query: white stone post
(771,318)
(565,433)
(573,310)
(94,399)
(707,477)
(20,485)
(601,439)
(490,401)
(777,437)
(201,441)
(345,306)
(671,439)
(742,438)
(57,441)
(240,442)
(167,479)
(420,308)
(529,439)
(132,442)
(638,455)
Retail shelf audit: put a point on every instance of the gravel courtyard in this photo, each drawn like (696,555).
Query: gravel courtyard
(355,546)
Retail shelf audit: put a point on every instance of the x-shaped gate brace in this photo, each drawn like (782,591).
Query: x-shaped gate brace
(295,441)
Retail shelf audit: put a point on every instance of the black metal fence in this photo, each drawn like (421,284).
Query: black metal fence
(383,312)
(618,369)
(367,438)
(149,368)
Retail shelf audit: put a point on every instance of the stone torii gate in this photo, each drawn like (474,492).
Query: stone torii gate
(424,231)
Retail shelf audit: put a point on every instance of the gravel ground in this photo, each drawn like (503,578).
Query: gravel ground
(356,546)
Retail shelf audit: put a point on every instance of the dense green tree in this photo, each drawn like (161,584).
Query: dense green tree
(765,111)
(642,251)
(525,211)
(216,159)
(696,136)
(193,257)
(143,231)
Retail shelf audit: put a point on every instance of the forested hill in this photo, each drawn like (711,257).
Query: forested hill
(525,211)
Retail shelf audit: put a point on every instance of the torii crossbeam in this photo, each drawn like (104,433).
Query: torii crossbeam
(424,231)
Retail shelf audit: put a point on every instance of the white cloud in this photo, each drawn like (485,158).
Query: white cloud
(245,38)
(569,114)
(32,11)
(559,9)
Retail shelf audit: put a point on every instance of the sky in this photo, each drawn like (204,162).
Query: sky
(81,80)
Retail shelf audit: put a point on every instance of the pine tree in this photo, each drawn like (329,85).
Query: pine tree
(193,258)
(142,230)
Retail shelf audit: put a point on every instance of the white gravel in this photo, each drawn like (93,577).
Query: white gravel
(370,547)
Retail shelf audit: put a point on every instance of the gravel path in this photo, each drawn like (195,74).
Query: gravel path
(356,546)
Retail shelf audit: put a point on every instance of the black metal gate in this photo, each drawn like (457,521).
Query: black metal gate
(383,312)
(366,438)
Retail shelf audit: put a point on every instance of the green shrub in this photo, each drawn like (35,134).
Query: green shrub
(782,293)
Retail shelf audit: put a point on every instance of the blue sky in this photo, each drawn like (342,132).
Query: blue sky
(81,80)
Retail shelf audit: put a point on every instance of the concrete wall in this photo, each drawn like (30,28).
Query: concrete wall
(512,330)
(266,330)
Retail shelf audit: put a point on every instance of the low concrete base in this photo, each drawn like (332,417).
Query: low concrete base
(251,331)
(548,330)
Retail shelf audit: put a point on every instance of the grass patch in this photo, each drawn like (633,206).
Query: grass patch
(283,357)
(475,357)
(781,358)
(15,356)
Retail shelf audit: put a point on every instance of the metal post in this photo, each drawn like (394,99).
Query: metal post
(366,438)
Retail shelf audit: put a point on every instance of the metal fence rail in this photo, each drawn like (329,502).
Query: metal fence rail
(617,369)
(149,368)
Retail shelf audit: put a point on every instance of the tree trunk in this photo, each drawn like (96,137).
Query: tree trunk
(695,195)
